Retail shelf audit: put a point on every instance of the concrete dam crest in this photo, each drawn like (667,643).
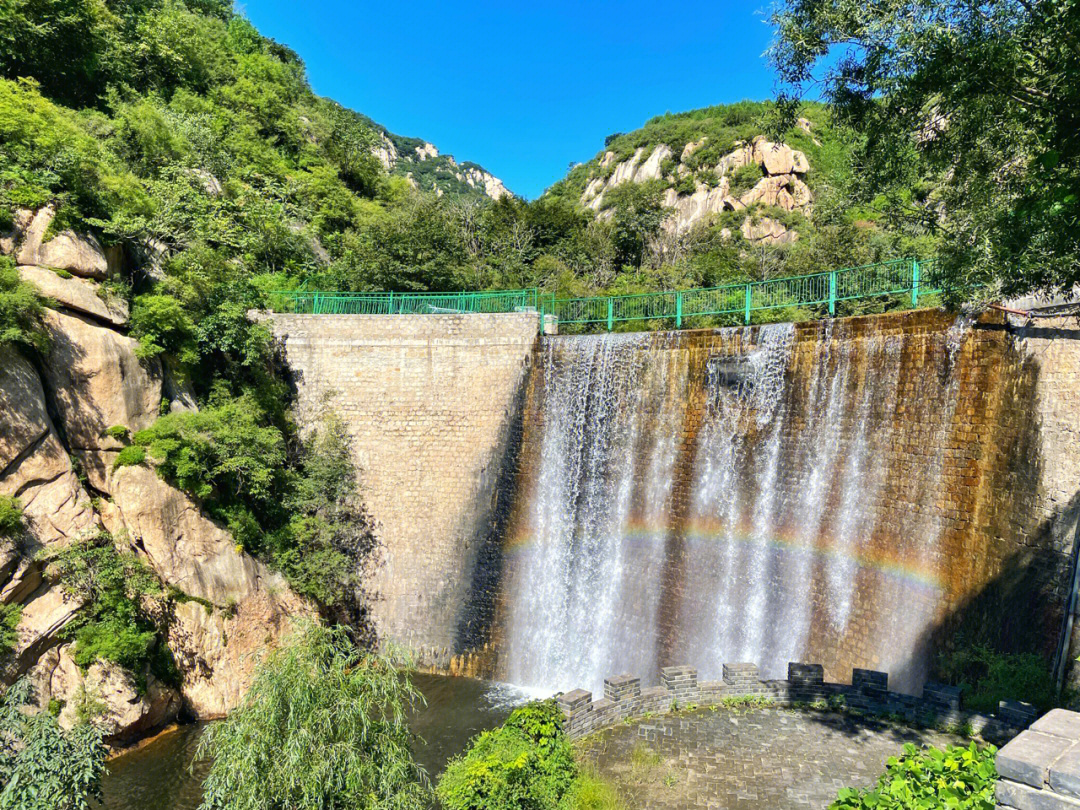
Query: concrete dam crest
(857,492)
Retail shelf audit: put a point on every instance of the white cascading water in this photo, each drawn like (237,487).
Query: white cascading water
(776,537)
(587,597)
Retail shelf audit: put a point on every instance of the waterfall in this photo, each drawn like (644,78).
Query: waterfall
(746,494)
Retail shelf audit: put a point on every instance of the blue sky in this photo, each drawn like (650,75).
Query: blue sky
(523,88)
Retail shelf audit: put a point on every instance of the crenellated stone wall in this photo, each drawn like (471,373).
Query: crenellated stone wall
(625,699)
(1040,769)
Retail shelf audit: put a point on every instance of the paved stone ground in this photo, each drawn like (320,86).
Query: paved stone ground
(749,759)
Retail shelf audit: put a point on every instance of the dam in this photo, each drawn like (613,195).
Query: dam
(855,492)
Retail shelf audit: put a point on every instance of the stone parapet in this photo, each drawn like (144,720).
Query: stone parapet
(626,699)
(1040,768)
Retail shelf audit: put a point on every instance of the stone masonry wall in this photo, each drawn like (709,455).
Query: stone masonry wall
(986,461)
(625,699)
(431,403)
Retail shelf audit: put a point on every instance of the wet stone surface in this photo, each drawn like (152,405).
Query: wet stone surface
(747,759)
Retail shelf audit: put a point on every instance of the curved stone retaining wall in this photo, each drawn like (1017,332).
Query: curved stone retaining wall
(624,698)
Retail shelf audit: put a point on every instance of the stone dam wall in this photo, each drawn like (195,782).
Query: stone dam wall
(432,405)
(961,513)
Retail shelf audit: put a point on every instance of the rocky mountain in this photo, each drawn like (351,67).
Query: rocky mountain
(58,458)
(426,169)
(714,167)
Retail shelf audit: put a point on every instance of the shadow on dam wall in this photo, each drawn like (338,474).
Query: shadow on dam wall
(856,493)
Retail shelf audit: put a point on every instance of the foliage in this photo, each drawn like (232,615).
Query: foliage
(11,517)
(9,621)
(43,767)
(527,762)
(131,456)
(970,119)
(112,624)
(225,455)
(21,309)
(591,792)
(955,778)
(328,534)
(323,726)
(987,677)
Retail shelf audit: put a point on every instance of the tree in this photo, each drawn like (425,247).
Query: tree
(323,726)
(42,766)
(971,116)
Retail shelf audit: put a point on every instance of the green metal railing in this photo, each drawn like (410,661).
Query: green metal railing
(905,277)
(910,278)
(312,302)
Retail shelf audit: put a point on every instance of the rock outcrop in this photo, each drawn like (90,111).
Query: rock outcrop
(781,183)
(78,253)
(76,294)
(128,712)
(232,607)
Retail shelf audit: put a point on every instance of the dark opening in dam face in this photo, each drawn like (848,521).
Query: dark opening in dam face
(832,492)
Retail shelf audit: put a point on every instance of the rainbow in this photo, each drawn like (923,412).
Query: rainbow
(888,562)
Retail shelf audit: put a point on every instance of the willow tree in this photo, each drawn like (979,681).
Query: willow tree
(324,725)
(971,117)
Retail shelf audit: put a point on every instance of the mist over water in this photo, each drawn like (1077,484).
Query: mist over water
(729,507)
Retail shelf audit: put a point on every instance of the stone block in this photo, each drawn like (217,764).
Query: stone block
(1020,714)
(1059,723)
(1028,757)
(941,695)
(741,673)
(1065,773)
(870,680)
(1022,797)
(574,701)
(622,687)
(805,674)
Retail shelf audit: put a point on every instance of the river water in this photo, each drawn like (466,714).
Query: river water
(164,776)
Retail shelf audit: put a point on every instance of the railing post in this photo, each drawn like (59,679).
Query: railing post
(390,304)
(315,305)
(747,305)
(914,283)
(610,313)
(678,310)
(832,294)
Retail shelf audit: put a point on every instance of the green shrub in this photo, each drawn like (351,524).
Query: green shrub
(112,625)
(11,517)
(161,324)
(131,456)
(324,725)
(955,778)
(21,309)
(591,792)
(118,432)
(986,677)
(526,763)
(9,621)
(42,766)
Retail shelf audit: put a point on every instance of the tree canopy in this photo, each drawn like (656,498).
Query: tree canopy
(971,118)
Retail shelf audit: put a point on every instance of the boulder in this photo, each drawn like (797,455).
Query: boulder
(605,161)
(784,191)
(776,158)
(33,464)
(127,713)
(96,381)
(184,547)
(217,651)
(80,254)
(81,295)
(799,163)
(767,230)
(10,238)
(43,617)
